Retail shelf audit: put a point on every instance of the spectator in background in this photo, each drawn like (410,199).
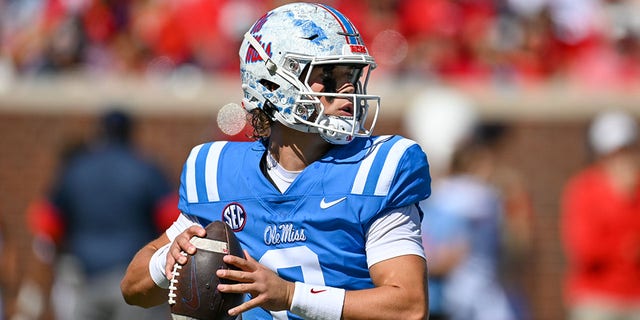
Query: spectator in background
(516,222)
(445,245)
(601,225)
(462,229)
(593,43)
(447,124)
(107,201)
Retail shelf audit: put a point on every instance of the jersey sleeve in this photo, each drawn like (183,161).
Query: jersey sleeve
(188,178)
(200,174)
(411,181)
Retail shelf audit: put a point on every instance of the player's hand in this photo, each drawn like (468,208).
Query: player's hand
(182,243)
(266,288)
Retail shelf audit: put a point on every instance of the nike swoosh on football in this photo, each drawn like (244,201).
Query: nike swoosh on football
(324,205)
(194,300)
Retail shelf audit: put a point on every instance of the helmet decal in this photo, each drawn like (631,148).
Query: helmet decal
(253,55)
(258,25)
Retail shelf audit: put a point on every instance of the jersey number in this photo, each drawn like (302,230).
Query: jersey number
(300,256)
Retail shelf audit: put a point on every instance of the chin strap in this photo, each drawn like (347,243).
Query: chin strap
(339,128)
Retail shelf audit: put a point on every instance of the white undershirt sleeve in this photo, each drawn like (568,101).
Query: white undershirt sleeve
(395,234)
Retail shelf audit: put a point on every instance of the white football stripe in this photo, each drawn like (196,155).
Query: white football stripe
(181,317)
(210,245)
(211,170)
(190,175)
(363,172)
(391,165)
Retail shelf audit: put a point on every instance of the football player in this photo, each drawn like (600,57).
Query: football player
(326,212)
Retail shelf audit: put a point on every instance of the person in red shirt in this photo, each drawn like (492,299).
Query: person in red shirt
(601,224)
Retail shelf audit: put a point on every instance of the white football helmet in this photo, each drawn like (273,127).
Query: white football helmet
(294,39)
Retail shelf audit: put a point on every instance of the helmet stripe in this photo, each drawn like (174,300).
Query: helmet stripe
(346,25)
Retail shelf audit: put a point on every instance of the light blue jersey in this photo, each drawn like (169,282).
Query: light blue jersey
(315,232)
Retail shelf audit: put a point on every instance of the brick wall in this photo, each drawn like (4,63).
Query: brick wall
(546,153)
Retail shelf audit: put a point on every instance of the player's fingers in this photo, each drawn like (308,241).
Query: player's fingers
(249,257)
(197,230)
(244,307)
(183,241)
(168,267)
(241,263)
(175,254)
(182,244)
(235,275)
(194,230)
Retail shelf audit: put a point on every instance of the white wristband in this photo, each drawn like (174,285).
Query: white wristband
(317,302)
(156,266)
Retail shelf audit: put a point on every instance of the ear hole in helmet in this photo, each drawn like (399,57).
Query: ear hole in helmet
(271,86)
(268,107)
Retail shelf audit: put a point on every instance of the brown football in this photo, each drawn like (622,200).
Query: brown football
(193,292)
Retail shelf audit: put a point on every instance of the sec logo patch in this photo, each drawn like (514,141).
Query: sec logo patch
(234,216)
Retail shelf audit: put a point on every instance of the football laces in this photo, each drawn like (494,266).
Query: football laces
(174,280)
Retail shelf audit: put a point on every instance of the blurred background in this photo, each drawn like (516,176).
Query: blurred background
(539,68)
